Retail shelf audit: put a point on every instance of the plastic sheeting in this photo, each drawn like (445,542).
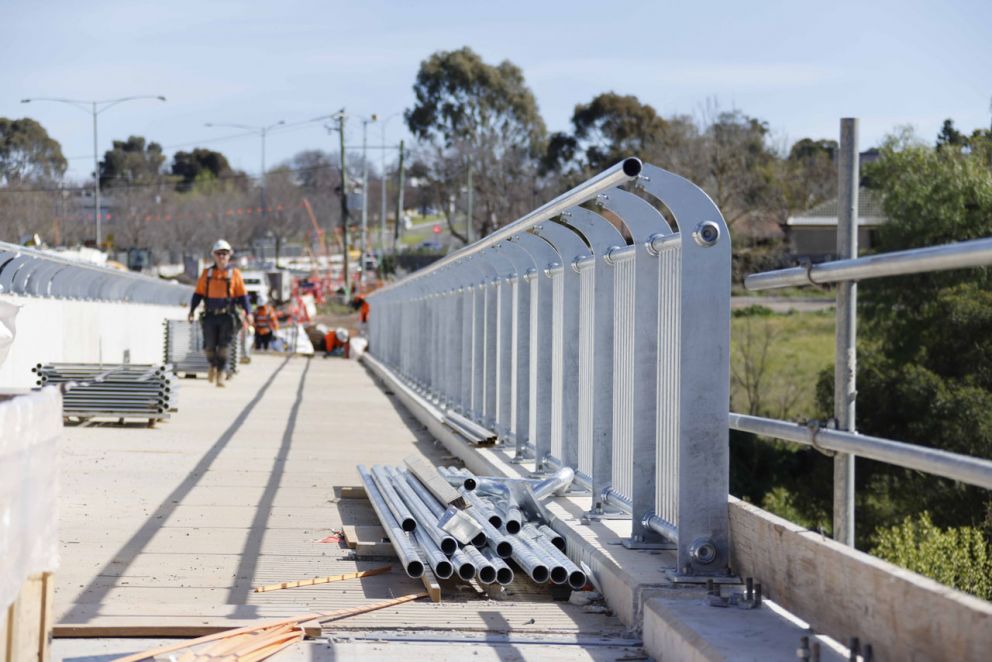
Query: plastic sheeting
(30,427)
(8,312)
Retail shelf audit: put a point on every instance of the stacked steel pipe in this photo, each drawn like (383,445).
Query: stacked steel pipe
(112,391)
(412,516)
(184,348)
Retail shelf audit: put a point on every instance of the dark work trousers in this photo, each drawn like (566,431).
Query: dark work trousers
(218,330)
(262,340)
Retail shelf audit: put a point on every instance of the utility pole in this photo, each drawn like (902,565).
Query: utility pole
(469,212)
(344,207)
(382,206)
(399,203)
(383,203)
(96,180)
(365,195)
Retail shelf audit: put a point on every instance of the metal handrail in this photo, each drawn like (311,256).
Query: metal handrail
(621,173)
(39,273)
(592,334)
(964,468)
(975,253)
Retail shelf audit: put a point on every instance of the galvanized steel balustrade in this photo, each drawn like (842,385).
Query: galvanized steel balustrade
(30,272)
(844,442)
(593,334)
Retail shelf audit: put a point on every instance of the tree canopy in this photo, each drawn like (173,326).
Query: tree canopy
(478,117)
(199,165)
(461,98)
(28,153)
(607,129)
(131,162)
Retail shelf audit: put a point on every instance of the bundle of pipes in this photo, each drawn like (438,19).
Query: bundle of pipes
(184,348)
(414,519)
(116,391)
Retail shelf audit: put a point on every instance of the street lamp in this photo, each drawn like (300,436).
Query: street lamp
(261,131)
(365,192)
(95,107)
(382,212)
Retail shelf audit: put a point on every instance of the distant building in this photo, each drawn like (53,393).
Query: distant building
(813,233)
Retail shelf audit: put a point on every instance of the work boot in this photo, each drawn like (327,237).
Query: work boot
(212,374)
(221,375)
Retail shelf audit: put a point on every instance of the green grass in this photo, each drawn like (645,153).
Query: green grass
(426,221)
(783,355)
(334,308)
(810,292)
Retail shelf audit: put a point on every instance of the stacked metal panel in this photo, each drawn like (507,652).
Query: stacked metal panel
(506,530)
(184,348)
(112,391)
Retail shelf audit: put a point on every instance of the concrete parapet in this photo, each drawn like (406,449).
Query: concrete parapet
(846,593)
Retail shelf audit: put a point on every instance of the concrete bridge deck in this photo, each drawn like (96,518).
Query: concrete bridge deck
(175,525)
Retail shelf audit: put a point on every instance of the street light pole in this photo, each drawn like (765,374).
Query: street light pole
(95,107)
(365,196)
(96,179)
(382,208)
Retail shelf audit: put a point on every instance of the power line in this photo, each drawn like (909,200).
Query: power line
(164,182)
(292,126)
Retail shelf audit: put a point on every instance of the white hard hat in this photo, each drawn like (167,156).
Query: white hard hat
(221,245)
(342,334)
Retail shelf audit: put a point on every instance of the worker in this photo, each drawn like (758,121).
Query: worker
(222,291)
(337,343)
(266,324)
(360,304)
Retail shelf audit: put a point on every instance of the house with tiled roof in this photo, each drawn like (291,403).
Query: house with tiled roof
(813,233)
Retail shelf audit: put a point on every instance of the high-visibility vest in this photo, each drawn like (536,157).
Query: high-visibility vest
(265,321)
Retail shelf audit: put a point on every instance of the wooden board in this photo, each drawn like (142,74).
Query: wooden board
(846,593)
(355,535)
(352,492)
(26,625)
(368,542)
(431,584)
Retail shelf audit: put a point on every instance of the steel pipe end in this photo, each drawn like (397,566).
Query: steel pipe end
(540,574)
(496,520)
(632,166)
(504,576)
(559,574)
(470,484)
(487,574)
(466,571)
(409,524)
(480,540)
(512,526)
(577,580)
(504,549)
(448,545)
(444,570)
(414,569)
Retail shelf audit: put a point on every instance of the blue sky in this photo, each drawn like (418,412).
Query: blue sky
(798,65)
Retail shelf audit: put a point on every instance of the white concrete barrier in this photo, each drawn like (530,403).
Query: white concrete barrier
(60,330)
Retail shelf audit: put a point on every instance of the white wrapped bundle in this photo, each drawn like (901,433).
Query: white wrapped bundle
(30,427)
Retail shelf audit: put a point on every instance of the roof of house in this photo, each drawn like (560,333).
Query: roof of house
(870,211)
